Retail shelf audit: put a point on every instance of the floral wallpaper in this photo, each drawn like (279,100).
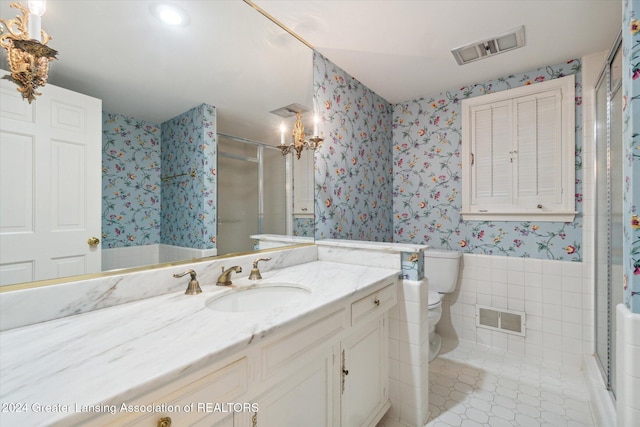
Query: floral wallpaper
(131,185)
(631,162)
(189,203)
(427,187)
(303,227)
(353,168)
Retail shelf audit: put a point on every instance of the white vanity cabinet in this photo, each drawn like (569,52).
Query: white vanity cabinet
(329,369)
(331,373)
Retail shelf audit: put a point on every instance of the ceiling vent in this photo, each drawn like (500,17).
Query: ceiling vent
(290,110)
(503,43)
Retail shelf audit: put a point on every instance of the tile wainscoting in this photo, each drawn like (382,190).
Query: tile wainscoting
(556,296)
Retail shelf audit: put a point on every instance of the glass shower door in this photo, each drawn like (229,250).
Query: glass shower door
(616,202)
(251,193)
(237,196)
(609,186)
(602,314)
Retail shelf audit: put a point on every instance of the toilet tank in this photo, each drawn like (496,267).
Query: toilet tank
(441,269)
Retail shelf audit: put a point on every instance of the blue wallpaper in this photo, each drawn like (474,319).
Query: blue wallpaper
(427,187)
(631,141)
(303,227)
(131,186)
(189,203)
(353,168)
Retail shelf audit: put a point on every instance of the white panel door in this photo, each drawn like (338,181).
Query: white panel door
(50,184)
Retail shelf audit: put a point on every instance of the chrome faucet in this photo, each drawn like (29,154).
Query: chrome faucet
(255,271)
(194,287)
(225,278)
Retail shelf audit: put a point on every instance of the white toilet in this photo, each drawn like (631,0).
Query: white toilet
(441,269)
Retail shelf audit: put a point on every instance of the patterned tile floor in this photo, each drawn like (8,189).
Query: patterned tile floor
(472,385)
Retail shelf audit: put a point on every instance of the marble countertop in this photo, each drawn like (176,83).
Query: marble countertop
(282,238)
(112,355)
(376,246)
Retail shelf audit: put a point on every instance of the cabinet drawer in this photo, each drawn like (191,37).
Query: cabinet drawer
(196,401)
(374,304)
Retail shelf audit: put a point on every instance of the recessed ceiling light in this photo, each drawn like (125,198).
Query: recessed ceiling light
(170,14)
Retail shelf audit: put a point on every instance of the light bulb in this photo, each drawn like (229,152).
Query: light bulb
(283,129)
(37,7)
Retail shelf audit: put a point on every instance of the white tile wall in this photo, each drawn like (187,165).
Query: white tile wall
(551,293)
(628,368)
(409,356)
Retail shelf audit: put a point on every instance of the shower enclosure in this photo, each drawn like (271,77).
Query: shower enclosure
(608,212)
(252,193)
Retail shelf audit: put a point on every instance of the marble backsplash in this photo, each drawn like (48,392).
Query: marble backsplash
(40,304)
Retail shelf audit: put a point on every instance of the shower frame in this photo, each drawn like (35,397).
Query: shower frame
(605,302)
(259,160)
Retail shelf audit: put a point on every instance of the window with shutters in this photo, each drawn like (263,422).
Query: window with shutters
(518,153)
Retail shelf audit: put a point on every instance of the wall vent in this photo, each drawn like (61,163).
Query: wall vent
(495,45)
(511,322)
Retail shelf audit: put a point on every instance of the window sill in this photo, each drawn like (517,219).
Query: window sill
(558,216)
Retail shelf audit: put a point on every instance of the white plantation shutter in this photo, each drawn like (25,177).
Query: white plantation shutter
(490,144)
(518,149)
(538,151)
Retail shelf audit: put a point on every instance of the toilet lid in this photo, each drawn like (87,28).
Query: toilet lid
(434,298)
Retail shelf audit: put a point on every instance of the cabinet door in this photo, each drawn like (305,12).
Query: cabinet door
(305,399)
(364,379)
(303,184)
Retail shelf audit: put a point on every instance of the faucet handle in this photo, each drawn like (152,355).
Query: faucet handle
(194,287)
(255,272)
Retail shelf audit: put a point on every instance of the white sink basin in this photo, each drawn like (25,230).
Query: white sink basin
(259,298)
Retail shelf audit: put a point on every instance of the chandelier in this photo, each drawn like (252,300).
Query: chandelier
(27,50)
(299,142)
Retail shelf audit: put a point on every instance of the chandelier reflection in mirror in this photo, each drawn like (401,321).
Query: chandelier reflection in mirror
(299,142)
(27,50)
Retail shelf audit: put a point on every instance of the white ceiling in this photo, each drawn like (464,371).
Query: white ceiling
(402,49)
(232,57)
(228,55)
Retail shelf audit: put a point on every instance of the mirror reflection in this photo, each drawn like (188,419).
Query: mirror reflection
(182,130)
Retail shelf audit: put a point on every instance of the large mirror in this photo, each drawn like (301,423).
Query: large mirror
(222,71)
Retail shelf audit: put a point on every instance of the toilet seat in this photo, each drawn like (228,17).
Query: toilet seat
(434,298)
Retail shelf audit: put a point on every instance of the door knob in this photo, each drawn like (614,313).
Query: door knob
(93,241)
